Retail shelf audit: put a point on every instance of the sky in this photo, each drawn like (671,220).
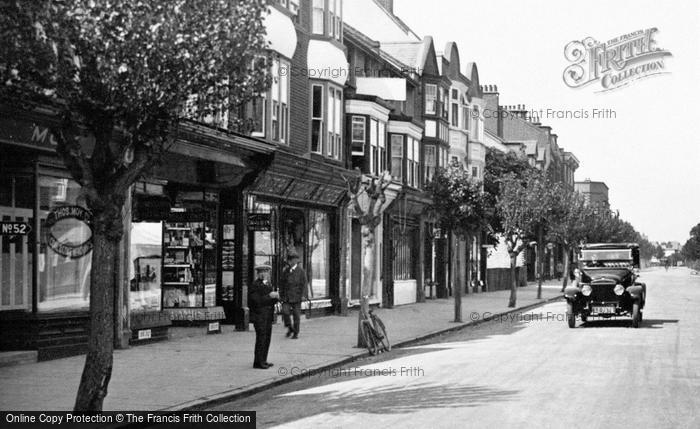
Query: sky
(648,153)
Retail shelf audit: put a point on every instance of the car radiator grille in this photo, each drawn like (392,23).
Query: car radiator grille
(604,292)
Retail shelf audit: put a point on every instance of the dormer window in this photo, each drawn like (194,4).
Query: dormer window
(326,17)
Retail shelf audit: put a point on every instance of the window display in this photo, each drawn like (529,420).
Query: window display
(146,251)
(65,256)
(319,233)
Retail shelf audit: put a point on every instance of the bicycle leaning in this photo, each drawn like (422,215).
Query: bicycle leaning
(373,331)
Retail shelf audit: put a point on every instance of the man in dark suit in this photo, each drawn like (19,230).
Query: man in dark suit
(261,300)
(292,292)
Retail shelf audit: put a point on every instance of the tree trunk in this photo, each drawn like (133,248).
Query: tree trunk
(456,286)
(98,362)
(513,281)
(566,268)
(540,262)
(367,281)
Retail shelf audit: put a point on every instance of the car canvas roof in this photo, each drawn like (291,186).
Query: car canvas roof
(609,246)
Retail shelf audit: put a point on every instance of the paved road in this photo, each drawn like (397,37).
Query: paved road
(530,371)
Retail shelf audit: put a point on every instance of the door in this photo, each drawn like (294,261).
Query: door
(356,261)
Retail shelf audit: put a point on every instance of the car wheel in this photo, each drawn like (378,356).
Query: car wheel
(570,316)
(636,315)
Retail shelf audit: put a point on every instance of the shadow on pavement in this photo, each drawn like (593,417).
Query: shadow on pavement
(627,323)
(389,400)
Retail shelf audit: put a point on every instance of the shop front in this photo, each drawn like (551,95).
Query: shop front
(45,243)
(185,240)
(294,207)
(404,267)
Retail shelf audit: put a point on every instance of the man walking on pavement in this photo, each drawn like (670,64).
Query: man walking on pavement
(292,292)
(262,299)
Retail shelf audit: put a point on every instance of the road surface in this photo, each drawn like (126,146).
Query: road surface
(530,370)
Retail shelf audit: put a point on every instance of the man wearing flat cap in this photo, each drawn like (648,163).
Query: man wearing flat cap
(261,300)
(292,291)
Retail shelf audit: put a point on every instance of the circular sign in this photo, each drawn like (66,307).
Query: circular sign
(70,231)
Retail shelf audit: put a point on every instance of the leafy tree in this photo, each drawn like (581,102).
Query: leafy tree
(498,166)
(524,205)
(569,225)
(691,248)
(458,204)
(122,72)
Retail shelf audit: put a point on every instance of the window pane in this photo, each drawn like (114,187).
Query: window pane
(430,98)
(318,16)
(397,156)
(316,131)
(317,109)
(16,204)
(146,240)
(319,232)
(66,258)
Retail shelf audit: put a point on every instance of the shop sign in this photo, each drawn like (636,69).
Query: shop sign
(145,334)
(15,228)
(214,328)
(37,135)
(66,231)
(259,222)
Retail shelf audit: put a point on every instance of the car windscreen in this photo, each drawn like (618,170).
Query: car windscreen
(606,255)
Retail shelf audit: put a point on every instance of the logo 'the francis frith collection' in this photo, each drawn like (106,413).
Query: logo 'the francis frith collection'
(615,63)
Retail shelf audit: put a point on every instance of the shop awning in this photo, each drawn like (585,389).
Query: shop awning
(387,88)
(294,178)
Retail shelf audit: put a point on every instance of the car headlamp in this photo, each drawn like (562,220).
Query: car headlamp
(619,289)
(586,290)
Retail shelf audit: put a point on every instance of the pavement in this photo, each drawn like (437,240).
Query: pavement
(194,372)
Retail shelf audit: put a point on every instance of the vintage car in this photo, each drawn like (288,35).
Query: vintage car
(606,283)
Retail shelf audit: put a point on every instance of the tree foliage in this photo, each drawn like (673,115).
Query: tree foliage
(458,202)
(498,166)
(124,73)
(691,248)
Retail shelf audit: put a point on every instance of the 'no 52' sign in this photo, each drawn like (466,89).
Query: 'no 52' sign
(15,228)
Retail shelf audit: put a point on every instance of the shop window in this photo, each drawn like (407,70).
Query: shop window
(430,98)
(16,205)
(358,135)
(404,258)
(318,239)
(146,250)
(397,159)
(65,257)
(189,251)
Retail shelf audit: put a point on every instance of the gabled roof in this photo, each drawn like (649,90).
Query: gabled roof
(419,55)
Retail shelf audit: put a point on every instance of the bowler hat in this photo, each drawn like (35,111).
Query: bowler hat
(262,267)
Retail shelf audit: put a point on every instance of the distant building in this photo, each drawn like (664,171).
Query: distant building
(595,193)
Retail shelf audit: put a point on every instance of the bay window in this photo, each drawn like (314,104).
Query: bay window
(326,114)
(317,118)
(413,164)
(430,162)
(397,156)
(333,114)
(377,143)
(444,103)
(326,17)
(267,116)
(358,133)
(465,117)
(430,98)
(454,119)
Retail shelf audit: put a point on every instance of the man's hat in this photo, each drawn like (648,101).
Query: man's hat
(263,267)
